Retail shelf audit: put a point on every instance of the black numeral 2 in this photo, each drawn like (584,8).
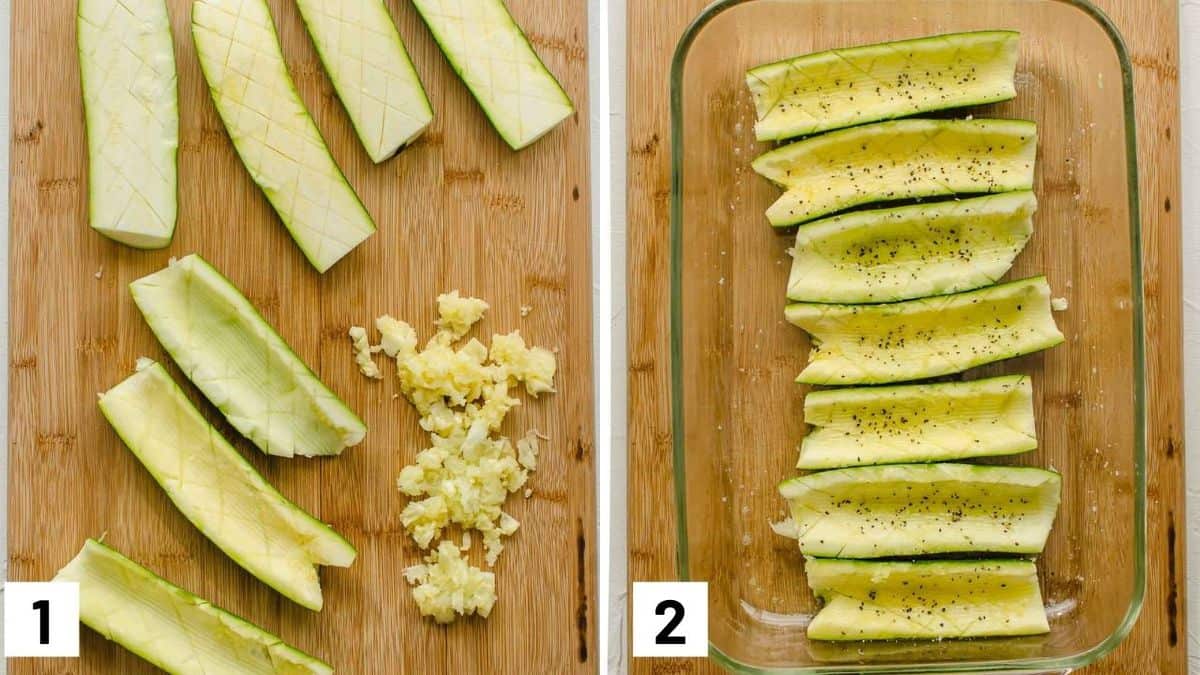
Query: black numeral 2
(664,636)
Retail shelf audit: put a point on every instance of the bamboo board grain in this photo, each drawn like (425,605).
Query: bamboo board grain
(457,210)
(1150,29)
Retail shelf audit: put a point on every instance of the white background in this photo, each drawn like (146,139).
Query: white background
(607,49)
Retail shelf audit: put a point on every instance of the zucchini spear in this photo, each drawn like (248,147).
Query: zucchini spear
(493,57)
(857,426)
(230,352)
(902,159)
(843,87)
(370,69)
(127,68)
(171,628)
(272,131)
(918,339)
(930,599)
(922,509)
(218,490)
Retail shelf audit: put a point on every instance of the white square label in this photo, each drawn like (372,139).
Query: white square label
(41,619)
(670,618)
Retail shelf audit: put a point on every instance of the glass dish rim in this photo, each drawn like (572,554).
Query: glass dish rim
(1122,630)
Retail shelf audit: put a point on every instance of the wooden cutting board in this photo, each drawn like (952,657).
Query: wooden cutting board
(457,210)
(1158,641)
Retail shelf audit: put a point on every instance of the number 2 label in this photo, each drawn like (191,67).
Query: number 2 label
(665,636)
(670,619)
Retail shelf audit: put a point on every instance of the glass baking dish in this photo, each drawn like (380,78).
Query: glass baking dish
(737,414)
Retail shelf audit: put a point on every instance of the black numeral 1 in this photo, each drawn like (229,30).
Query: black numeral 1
(664,636)
(42,607)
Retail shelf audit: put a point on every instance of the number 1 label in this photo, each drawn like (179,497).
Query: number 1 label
(43,609)
(41,619)
(670,619)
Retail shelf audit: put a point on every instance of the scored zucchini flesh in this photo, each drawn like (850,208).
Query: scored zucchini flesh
(902,159)
(915,251)
(925,600)
(491,54)
(918,423)
(171,628)
(370,69)
(917,339)
(844,87)
(131,107)
(922,509)
(218,490)
(272,131)
(230,352)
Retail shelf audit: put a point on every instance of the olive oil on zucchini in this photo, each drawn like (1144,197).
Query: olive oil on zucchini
(928,337)
(922,509)
(918,423)
(892,293)
(929,599)
(915,251)
(891,161)
(844,87)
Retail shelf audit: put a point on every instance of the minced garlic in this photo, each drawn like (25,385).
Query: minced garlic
(398,338)
(441,374)
(464,480)
(786,528)
(462,392)
(448,586)
(457,314)
(1059,304)
(534,366)
(527,449)
(362,353)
